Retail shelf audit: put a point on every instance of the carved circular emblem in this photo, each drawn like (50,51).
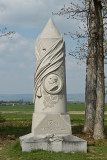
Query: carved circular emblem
(52,83)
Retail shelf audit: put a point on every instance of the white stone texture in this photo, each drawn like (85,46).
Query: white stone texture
(49,80)
(58,124)
(51,127)
(54,143)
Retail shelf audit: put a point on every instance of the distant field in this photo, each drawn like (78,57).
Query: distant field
(75,107)
(17,108)
(24,117)
(79,107)
(27,108)
(15,116)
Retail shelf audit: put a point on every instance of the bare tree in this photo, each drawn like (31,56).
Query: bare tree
(105,52)
(99,118)
(5,33)
(91,71)
(79,13)
(94,95)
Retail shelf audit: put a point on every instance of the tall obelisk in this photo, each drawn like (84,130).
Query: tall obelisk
(51,128)
(50,115)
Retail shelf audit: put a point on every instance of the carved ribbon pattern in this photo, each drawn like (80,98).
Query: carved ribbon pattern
(50,61)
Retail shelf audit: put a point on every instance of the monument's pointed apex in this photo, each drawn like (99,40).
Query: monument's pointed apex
(50,31)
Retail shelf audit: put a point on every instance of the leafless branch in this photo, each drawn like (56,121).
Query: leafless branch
(7,34)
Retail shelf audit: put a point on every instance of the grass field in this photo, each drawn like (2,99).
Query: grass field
(78,107)
(70,107)
(17,108)
(13,125)
(24,117)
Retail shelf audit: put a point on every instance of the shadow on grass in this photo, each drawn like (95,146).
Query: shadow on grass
(77,129)
(16,128)
(77,126)
(105,131)
(1,118)
(19,128)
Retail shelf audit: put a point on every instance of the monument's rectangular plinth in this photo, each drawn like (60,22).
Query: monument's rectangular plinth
(68,143)
(51,123)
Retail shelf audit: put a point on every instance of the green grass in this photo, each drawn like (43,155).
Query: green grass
(14,125)
(26,108)
(11,130)
(14,129)
(75,107)
(13,152)
(15,116)
(70,107)
(78,107)
(21,116)
(20,124)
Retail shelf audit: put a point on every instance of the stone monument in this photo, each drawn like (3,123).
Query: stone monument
(51,127)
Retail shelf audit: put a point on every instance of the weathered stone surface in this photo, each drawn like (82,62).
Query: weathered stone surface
(51,128)
(58,124)
(50,31)
(51,142)
(49,79)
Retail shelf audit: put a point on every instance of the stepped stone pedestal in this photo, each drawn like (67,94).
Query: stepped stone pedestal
(51,127)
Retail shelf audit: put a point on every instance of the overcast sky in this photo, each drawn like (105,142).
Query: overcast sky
(17,56)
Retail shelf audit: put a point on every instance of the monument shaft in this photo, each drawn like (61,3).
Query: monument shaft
(49,79)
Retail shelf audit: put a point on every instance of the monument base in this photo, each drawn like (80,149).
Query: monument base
(51,123)
(67,143)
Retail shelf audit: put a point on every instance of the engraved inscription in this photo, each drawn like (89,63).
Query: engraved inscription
(53,126)
(49,100)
